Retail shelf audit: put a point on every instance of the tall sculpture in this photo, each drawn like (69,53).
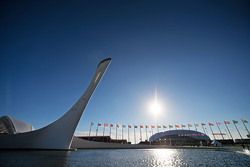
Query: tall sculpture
(59,134)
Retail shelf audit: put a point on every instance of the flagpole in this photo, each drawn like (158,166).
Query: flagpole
(220,130)
(226,133)
(90,128)
(212,131)
(237,130)
(122,132)
(110,130)
(116,132)
(170,127)
(203,129)
(97,130)
(243,121)
(229,131)
(206,130)
(140,134)
(134,135)
(128,134)
(165,127)
(146,133)
(195,127)
(103,129)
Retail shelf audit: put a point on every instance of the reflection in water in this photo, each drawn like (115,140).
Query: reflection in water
(165,157)
(124,158)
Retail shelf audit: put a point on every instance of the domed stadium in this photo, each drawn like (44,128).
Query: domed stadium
(9,125)
(180,138)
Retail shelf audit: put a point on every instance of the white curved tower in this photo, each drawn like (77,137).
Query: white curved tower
(59,134)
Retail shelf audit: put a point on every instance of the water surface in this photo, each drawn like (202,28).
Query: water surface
(124,158)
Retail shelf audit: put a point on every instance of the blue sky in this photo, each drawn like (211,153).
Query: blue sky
(196,54)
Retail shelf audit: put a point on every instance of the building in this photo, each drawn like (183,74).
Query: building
(10,125)
(57,135)
(105,139)
(180,138)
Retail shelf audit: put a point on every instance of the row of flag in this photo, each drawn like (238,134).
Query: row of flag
(177,126)
(164,126)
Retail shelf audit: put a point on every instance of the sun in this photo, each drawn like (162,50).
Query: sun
(155,106)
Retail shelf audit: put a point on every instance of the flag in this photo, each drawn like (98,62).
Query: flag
(210,124)
(170,126)
(92,123)
(158,126)
(177,126)
(226,122)
(117,125)
(106,125)
(123,126)
(135,126)
(235,122)
(183,126)
(218,123)
(146,126)
(129,126)
(196,125)
(111,125)
(141,126)
(152,126)
(163,126)
(203,124)
(244,121)
(189,125)
(99,124)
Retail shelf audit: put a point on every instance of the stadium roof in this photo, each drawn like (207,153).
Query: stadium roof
(190,133)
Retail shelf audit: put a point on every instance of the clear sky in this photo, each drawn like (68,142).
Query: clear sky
(196,54)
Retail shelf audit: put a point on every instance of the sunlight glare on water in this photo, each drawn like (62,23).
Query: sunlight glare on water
(165,157)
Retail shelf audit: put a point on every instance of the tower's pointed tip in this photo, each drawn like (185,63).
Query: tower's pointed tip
(104,60)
